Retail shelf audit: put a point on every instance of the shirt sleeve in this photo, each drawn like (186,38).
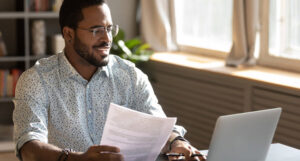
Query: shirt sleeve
(30,115)
(146,101)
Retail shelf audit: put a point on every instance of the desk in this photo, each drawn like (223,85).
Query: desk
(277,152)
(280,152)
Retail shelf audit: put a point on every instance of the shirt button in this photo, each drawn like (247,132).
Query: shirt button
(89,111)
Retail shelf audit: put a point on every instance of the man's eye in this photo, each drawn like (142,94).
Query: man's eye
(95,31)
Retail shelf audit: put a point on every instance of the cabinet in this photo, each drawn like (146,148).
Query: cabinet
(16,19)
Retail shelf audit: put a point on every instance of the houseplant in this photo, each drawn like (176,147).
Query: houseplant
(133,50)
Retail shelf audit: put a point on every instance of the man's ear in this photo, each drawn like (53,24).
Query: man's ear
(69,34)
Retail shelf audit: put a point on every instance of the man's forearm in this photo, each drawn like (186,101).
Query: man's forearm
(38,151)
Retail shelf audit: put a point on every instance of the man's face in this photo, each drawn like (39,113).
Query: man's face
(94,49)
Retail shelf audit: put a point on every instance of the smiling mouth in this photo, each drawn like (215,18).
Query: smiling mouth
(103,51)
(102,48)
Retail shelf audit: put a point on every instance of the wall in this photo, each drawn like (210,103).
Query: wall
(124,14)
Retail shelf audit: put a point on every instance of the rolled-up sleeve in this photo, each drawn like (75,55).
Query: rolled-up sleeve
(30,115)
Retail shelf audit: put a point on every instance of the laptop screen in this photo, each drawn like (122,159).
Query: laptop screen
(244,136)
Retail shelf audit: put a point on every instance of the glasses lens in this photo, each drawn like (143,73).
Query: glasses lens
(114,30)
(111,30)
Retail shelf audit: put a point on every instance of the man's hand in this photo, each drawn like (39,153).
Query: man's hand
(36,150)
(185,148)
(98,153)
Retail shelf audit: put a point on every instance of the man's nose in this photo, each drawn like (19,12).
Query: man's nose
(106,36)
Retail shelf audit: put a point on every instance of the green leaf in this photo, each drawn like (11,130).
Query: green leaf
(133,50)
(147,52)
(119,36)
(141,48)
(132,43)
(115,49)
(124,48)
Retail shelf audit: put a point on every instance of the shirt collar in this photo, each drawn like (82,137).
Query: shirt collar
(105,70)
(68,71)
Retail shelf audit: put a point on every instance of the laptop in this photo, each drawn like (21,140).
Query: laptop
(244,136)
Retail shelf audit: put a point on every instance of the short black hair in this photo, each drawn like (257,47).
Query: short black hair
(71,12)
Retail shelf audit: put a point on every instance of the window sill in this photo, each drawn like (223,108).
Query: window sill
(257,73)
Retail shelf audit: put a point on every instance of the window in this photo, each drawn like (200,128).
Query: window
(281,40)
(284,33)
(204,24)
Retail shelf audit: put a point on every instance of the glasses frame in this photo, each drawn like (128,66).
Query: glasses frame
(102,30)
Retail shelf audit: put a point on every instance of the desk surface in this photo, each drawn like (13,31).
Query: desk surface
(277,152)
(280,152)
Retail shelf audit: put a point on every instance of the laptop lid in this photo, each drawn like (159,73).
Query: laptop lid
(244,136)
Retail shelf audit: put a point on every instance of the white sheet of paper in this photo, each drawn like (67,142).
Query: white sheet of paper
(139,136)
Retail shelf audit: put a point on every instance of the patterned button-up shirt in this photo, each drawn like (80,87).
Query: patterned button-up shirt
(55,104)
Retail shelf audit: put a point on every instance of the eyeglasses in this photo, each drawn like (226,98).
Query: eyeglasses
(100,31)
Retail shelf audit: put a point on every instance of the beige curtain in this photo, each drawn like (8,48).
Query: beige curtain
(157,26)
(245,29)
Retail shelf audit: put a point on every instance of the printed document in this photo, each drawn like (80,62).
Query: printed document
(139,136)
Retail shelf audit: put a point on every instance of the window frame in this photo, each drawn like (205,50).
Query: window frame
(265,58)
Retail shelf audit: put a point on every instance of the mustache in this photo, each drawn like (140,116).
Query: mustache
(104,44)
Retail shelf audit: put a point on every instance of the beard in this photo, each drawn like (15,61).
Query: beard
(92,58)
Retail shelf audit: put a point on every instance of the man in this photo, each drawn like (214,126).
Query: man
(62,101)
